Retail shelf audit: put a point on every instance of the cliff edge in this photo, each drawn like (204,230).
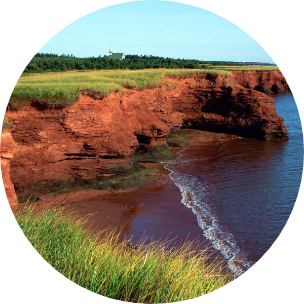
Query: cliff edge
(95,142)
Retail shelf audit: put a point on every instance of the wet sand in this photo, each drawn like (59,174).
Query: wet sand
(154,211)
(157,211)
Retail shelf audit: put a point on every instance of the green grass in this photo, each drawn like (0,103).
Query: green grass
(152,273)
(63,88)
(244,68)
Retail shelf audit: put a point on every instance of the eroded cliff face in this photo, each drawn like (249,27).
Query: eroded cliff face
(221,104)
(93,142)
(8,147)
(265,82)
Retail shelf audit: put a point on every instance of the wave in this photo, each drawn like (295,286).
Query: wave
(194,197)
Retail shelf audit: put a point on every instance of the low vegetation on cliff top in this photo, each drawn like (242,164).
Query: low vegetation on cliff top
(244,67)
(153,273)
(63,88)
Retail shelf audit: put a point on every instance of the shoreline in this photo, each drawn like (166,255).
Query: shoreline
(154,210)
(93,142)
(99,206)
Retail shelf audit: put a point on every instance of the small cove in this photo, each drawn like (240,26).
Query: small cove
(241,193)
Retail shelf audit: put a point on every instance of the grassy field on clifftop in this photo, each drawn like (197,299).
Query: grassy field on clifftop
(62,88)
(244,67)
(153,273)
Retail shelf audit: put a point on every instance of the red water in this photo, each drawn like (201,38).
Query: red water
(239,194)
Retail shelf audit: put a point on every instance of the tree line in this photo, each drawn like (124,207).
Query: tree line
(43,62)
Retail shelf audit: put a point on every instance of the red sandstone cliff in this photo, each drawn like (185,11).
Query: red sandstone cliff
(8,147)
(267,82)
(95,140)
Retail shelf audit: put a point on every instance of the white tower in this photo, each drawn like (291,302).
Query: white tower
(110,52)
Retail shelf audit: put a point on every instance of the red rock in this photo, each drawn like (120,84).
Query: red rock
(7,152)
(94,139)
(271,81)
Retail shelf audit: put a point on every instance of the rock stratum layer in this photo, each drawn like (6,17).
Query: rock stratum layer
(8,147)
(97,142)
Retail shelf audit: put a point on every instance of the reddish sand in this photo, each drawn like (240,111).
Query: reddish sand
(154,210)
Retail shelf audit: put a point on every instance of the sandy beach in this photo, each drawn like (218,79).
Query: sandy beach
(154,211)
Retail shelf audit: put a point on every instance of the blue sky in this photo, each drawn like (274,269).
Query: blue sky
(157,28)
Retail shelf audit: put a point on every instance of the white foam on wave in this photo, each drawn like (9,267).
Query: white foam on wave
(193,196)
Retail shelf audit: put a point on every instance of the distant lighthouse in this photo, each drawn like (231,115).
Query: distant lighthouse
(110,51)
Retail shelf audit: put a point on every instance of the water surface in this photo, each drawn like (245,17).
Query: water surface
(239,194)
(243,191)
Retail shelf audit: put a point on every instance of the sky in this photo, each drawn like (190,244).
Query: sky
(157,28)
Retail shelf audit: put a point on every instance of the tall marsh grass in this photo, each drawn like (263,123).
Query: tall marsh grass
(63,88)
(102,263)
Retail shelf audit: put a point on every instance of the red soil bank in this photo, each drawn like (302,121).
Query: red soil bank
(8,147)
(94,139)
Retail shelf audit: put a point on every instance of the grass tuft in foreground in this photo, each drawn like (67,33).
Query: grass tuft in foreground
(153,273)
